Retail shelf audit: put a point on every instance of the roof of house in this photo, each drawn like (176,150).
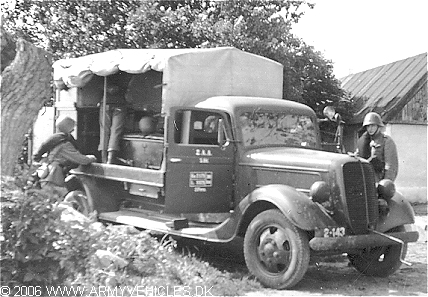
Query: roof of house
(385,89)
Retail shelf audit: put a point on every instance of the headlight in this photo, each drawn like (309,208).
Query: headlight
(386,189)
(320,191)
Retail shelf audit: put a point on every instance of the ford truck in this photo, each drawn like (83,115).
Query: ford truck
(229,158)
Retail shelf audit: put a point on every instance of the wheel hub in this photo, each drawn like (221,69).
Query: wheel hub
(274,250)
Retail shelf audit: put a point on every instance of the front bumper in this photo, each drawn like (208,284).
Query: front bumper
(360,241)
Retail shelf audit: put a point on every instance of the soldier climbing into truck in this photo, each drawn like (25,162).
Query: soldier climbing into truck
(235,160)
(61,154)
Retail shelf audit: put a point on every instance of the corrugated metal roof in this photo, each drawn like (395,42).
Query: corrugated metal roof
(383,89)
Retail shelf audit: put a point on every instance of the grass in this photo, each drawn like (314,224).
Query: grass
(136,257)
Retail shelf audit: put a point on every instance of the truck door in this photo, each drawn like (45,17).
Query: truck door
(199,176)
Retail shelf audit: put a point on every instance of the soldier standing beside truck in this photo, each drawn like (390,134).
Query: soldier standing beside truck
(379,149)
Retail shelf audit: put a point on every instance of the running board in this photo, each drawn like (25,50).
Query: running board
(164,224)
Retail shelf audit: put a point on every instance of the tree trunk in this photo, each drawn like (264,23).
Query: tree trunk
(8,49)
(25,86)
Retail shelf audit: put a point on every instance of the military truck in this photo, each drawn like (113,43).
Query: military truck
(229,158)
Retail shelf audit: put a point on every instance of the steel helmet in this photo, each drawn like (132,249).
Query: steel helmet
(65,124)
(372,118)
(147,125)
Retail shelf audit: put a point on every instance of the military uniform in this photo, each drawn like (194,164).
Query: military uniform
(113,124)
(379,149)
(62,154)
(63,157)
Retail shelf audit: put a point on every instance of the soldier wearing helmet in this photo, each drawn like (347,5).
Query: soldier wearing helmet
(378,148)
(62,155)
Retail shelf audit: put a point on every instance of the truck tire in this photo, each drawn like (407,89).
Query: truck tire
(78,200)
(276,252)
(379,261)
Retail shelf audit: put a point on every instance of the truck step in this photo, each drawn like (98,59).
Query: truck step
(170,224)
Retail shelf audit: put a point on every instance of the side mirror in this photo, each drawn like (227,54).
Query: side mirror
(222,139)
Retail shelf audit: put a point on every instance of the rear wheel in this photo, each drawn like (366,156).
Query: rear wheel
(381,260)
(276,251)
(79,201)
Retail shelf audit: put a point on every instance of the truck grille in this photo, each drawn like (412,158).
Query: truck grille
(361,197)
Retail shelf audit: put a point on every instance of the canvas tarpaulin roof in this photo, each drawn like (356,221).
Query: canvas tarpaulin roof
(189,75)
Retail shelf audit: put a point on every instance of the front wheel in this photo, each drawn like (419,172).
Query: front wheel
(381,260)
(276,251)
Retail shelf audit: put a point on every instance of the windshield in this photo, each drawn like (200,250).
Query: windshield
(273,128)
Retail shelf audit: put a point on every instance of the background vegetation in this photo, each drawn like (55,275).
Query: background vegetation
(75,28)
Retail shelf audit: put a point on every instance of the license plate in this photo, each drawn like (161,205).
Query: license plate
(334,232)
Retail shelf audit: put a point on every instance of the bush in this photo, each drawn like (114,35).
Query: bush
(45,243)
(37,247)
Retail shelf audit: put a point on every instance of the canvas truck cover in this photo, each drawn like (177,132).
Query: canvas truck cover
(188,75)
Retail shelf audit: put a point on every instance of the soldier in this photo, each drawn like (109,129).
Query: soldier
(62,154)
(113,124)
(378,148)
(332,116)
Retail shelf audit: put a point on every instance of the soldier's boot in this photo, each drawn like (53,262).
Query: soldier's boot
(111,157)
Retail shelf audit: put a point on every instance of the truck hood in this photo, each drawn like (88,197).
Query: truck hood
(299,158)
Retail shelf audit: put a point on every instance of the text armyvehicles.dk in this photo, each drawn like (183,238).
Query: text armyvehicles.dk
(229,158)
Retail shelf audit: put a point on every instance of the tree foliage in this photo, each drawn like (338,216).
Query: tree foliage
(75,28)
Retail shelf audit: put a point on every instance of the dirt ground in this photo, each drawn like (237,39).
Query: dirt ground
(337,279)
(333,277)
(420,209)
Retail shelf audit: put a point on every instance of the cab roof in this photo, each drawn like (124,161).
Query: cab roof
(233,104)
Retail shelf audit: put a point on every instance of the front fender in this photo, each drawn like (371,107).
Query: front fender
(296,206)
(400,213)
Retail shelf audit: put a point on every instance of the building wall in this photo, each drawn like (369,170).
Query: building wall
(411,141)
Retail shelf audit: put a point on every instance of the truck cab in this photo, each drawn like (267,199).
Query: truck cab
(230,158)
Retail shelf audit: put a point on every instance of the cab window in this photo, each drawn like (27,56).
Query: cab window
(277,128)
(196,127)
